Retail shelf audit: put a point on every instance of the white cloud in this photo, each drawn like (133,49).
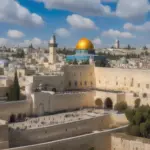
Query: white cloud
(13,12)
(144,28)
(117,34)
(15,34)
(84,7)
(36,42)
(3,41)
(97,41)
(77,21)
(132,9)
(62,32)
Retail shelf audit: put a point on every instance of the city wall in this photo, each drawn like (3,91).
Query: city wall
(122,79)
(50,133)
(4,135)
(44,102)
(100,140)
(122,141)
(9,108)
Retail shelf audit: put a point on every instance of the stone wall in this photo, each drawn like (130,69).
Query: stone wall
(79,77)
(100,140)
(123,79)
(9,108)
(122,141)
(3,135)
(46,102)
(50,133)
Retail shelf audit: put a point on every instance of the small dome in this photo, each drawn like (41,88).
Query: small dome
(84,44)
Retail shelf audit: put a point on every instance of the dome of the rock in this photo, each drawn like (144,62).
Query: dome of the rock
(84,44)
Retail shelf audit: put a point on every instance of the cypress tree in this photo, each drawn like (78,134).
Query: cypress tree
(14,90)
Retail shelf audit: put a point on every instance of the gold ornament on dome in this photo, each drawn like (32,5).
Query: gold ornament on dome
(84,44)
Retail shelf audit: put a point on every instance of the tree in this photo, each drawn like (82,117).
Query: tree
(137,103)
(120,106)
(130,114)
(14,90)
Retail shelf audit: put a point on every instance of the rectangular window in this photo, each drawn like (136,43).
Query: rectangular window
(138,84)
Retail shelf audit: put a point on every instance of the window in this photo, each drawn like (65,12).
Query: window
(99,81)
(138,85)
(132,82)
(85,83)
(91,83)
(75,83)
(116,83)
(147,86)
(80,74)
(81,83)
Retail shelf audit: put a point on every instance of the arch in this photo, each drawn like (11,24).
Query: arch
(99,102)
(54,90)
(108,103)
(12,118)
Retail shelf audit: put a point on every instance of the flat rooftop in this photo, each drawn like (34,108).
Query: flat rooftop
(61,118)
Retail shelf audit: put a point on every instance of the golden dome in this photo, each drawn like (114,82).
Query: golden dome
(84,44)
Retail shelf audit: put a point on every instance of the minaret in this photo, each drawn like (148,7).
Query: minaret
(52,50)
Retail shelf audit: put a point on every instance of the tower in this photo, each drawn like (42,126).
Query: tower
(117,44)
(52,50)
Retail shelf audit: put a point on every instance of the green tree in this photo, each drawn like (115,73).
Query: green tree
(143,129)
(135,130)
(137,103)
(120,106)
(14,90)
(130,115)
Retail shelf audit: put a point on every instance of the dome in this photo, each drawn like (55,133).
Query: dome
(84,44)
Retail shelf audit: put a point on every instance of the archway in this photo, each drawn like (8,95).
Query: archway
(54,90)
(108,103)
(12,118)
(99,103)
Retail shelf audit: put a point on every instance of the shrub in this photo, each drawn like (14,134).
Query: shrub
(130,115)
(135,130)
(120,106)
(138,118)
(137,103)
(143,129)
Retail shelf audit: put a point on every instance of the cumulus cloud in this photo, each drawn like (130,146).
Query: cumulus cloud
(132,9)
(15,34)
(84,7)
(36,42)
(62,32)
(12,12)
(77,21)
(3,41)
(97,41)
(143,28)
(117,34)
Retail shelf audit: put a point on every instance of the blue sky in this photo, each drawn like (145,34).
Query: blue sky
(103,21)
